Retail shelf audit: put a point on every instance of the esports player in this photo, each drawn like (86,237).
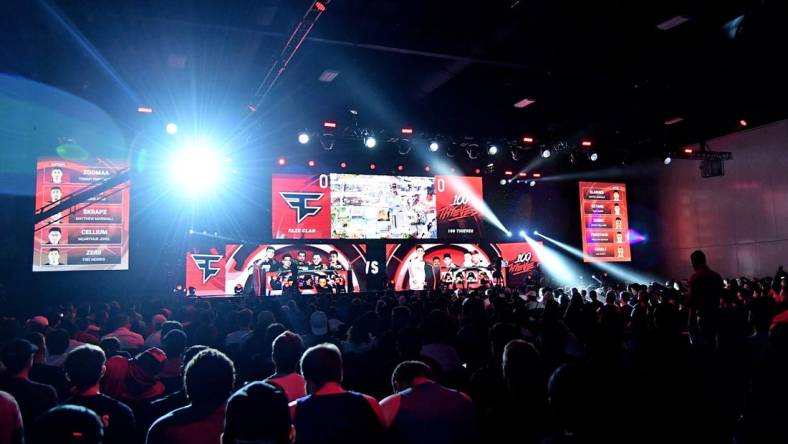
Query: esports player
(322,285)
(422,276)
(617,209)
(57,175)
(54,236)
(301,262)
(317,262)
(53,256)
(616,196)
(467,259)
(339,283)
(497,270)
(619,224)
(448,263)
(269,263)
(619,238)
(55,194)
(333,261)
(620,252)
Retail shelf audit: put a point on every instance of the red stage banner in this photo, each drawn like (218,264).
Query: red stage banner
(604,222)
(300,206)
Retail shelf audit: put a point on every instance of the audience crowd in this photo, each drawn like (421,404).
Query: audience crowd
(699,360)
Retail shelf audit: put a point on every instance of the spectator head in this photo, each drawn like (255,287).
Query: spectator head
(169,326)
(243,422)
(38,324)
(698,259)
(38,340)
(110,345)
(500,335)
(407,372)
(287,349)
(120,320)
(158,320)
(189,354)
(18,356)
(84,366)
(209,378)
(520,363)
(174,342)
(67,424)
(57,341)
(244,318)
(568,395)
(318,323)
(320,365)
(610,297)
(400,317)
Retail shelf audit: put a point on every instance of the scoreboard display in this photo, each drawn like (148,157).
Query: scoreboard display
(358,206)
(92,234)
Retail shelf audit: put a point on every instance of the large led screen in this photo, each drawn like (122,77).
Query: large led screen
(357,206)
(77,231)
(604,224)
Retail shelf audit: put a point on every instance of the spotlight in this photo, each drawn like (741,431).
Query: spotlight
(372,166)
(528,139)
(522,233)
(329,124)
(343,165)
(743,122)
(403,146)
(532,183)
(667,160)
(434,146)
(477,171)
(303,138)
(400,168)
(370,142)
(586,143)
(327,141)
(171,128)
(311,163)
(281,161)
(407,130)
(427,168)
(536,233)
(503,182)
(546,153)
(509,234)
(197,168)
(593,156)
(492,150)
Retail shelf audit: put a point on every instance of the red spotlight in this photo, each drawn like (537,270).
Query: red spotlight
(343,165)
(687,150)
(407,130)
(427,168)
(311,163)
(144,109)
(508,173)
(523,174)
(477,171)
(400,168)
(537,175)
(586,143)
(372,166)
(320,6)
(743,122)
(281,161)
(329,124)
(528,139)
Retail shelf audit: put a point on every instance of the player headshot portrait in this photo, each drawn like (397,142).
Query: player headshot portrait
(447,261)
(269,252)
(417,272)
(333,261)
(57,175)
(616,196)
(317,262)
(53,256)
(287,261)
(617,209)
(618,223)
(54,236)
(620,252)
(55,194)
(619,238)
(301,257)
(436,261)
(467,259)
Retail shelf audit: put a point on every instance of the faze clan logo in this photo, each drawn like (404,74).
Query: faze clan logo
(205,262)
(459,200)
(299,202)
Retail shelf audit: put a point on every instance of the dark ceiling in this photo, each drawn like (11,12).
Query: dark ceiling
(599,69)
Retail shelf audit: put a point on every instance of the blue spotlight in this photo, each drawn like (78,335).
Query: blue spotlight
(303,138)
(522,234)
(171,128)
(197,168)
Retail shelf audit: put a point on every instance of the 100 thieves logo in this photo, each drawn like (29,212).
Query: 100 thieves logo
(459,209)
(522,264)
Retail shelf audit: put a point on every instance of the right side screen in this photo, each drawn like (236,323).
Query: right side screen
(604,222)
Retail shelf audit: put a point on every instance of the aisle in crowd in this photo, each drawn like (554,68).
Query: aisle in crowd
(703,360)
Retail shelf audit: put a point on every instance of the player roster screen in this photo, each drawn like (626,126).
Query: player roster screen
(604,224)
(91,234)
(358,206)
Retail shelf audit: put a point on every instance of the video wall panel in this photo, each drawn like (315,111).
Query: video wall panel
(604,222)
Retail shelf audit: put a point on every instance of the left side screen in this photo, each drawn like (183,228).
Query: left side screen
(88,234)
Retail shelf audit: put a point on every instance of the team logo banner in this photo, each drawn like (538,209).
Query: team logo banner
(458,198)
